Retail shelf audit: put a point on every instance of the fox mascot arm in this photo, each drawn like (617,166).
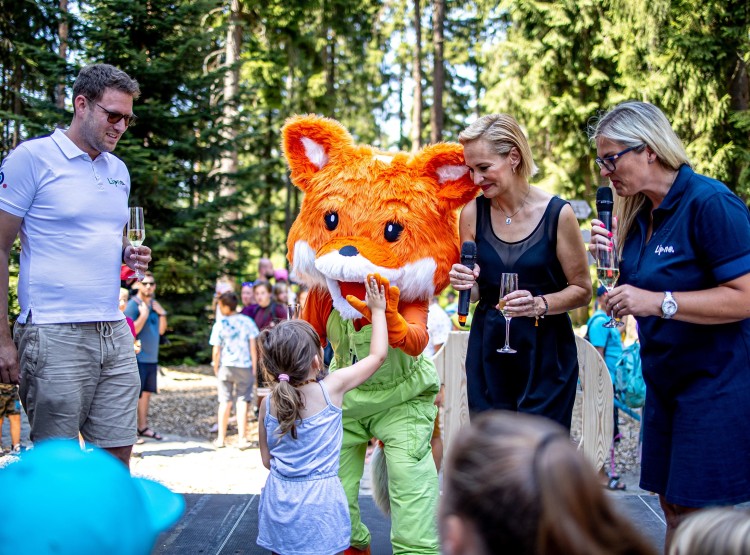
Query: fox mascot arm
(407,322)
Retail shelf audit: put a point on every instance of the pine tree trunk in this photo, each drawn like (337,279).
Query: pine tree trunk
(416,120)
(62,31)
(228,162)
(438,72)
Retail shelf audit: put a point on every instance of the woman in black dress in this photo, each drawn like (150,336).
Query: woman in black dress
(522,229)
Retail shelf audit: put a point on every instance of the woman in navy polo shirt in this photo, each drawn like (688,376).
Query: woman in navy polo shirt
(684,241)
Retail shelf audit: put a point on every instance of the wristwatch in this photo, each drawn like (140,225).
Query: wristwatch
(668,306)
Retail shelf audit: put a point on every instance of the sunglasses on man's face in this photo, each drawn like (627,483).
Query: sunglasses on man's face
(148,283)
(115,117)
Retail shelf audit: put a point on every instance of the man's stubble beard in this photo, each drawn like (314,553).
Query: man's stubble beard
(92,135)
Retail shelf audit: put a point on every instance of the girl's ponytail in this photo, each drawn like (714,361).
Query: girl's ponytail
(287,353)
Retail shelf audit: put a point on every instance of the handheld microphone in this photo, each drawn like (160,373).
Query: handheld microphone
(468,258)
(604,205)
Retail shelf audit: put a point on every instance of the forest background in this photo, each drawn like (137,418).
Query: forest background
(219,77)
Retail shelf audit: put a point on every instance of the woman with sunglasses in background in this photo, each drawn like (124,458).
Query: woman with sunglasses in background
(684,241)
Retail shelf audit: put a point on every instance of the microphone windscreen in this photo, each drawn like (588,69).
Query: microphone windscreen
(468,249)
(604,197)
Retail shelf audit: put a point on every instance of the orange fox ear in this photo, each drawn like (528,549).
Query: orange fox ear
(309,143)
(445,163)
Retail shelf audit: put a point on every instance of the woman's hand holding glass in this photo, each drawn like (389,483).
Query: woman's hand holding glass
(608,272)
(508,286)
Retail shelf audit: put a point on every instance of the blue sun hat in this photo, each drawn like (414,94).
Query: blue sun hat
(62,500)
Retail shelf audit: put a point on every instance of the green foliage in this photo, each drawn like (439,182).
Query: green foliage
(565,61)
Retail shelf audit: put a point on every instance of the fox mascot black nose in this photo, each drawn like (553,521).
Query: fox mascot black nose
(348,251)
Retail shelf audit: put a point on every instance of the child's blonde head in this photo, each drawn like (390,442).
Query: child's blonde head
(288,353)
(715,531)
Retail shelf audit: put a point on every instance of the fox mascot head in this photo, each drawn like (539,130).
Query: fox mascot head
(368,211)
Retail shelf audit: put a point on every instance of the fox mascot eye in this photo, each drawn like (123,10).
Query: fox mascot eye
(332,220)
(392,231)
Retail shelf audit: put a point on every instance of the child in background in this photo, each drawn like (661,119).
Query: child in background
(10,406)
(303,508)
(281,293)
(124,298)
(234,361)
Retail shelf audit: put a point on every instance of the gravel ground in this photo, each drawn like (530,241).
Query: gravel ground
(186,460)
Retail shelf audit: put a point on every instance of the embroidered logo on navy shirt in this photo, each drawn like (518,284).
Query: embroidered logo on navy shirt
(660,249)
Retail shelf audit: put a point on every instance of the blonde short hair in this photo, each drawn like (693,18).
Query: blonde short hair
(503,133)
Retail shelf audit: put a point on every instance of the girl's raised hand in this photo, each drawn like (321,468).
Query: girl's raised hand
(375,297)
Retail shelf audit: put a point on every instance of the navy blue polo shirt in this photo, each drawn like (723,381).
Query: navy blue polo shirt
(701,238)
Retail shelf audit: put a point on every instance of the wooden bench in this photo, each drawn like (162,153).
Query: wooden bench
(597,408)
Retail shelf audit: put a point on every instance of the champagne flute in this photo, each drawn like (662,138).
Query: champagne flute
(608,272)
(508,284)
(136,232)
(292,311)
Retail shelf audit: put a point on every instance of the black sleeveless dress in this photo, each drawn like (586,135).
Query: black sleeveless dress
(541,377)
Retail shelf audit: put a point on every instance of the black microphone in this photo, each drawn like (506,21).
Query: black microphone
(604,205)
(468,258)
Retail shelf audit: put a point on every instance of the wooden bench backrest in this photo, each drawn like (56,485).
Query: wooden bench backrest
(597,414)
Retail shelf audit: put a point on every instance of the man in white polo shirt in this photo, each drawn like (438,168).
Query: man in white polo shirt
(67,197)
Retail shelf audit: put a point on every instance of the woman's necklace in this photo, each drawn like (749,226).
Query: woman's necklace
(509,219)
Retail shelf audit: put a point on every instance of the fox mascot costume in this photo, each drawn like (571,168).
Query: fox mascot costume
(368,211)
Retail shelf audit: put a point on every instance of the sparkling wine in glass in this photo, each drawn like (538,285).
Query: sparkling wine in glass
(136,232)
(608,272)
(508,284)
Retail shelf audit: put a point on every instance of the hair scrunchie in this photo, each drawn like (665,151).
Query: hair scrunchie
(283,378)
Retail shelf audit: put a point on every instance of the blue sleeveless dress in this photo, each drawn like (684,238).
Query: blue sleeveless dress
(303,509)
(541,377)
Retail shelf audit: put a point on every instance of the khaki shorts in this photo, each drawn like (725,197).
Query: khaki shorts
(235,383)
(79,377)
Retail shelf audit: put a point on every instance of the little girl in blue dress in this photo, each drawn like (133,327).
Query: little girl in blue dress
(303,508)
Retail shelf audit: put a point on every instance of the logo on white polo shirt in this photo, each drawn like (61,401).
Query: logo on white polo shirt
(115,182)
(666,249)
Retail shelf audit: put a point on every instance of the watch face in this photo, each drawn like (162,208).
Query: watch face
(669,307)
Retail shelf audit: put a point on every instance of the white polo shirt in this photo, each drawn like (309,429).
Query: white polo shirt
(74,210)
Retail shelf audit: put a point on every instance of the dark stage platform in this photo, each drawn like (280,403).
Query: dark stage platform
(228,524)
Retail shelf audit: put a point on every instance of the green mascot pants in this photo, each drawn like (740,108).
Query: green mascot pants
(397,406)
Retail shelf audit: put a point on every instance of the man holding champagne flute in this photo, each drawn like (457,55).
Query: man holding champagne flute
(66,196)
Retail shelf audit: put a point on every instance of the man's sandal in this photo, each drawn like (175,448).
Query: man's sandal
(149,433)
